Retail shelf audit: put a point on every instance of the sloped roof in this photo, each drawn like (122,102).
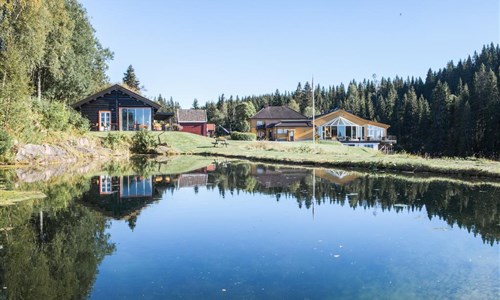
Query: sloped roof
(351,117)
(191,116)
(163,116)
(116,87)
(278,112)
(297,123)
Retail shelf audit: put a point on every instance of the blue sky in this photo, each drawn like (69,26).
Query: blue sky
(200,49)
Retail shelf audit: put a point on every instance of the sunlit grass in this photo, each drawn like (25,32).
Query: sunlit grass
(325,153)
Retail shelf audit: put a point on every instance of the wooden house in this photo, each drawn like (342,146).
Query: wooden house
(280,123)
(352,130)
(118,108)
(193,120)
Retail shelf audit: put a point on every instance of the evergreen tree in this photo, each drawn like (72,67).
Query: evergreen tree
(464,134)
(306,98)
(352,102)
(298,97)
(130,79)
(439,117)
(195,104)
(485,109)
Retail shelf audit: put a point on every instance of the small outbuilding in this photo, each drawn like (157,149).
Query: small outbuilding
(193,121)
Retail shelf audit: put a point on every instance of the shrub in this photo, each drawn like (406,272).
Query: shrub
(176,127)
(55,114)
(6,142)
(243,136)
(114,140)
(79,122)
(142,141)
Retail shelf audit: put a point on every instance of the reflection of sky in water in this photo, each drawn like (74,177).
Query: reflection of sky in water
(250,246)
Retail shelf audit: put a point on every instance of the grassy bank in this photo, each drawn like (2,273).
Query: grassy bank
(328,154)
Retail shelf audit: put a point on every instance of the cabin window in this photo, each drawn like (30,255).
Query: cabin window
(136,118)
(260,123)
(136,186)
(375,132)
(105,185)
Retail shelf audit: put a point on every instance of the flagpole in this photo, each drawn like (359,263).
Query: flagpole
(314,112)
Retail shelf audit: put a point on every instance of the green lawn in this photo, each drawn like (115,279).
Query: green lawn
(328,154)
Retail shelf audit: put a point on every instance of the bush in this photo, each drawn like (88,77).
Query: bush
(143,141)
(55,114)
(114,140)
(78,121)
(6,142)
(243,136)
(176,127)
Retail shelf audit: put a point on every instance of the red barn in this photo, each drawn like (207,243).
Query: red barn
(193,120)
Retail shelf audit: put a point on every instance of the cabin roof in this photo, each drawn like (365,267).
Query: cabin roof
(116,87)
(163,116)
(351,117)
(191,116)
(296,123)
(278,112)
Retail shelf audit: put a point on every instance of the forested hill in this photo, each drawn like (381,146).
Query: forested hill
(454,111)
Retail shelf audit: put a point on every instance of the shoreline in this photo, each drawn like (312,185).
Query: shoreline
(366,166)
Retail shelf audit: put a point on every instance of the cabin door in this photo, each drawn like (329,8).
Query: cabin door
(291,135)
(104,120)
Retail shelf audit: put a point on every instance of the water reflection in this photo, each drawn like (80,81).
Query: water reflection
(473,207)
(52,248)
(50,253)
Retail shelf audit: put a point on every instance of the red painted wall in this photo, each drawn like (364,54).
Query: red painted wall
(196,128)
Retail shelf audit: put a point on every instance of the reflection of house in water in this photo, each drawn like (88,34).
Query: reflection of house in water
(338,177)
(278,177)
(195,178)
(192,180)
(121,197)
(270,177)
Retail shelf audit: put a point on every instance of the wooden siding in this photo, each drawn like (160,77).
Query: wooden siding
(196,128)
(111,102)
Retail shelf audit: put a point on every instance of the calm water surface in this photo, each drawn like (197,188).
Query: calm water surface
(252,231)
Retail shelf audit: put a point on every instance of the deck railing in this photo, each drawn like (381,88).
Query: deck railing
(389,138)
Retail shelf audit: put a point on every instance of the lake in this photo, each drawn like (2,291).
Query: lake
(204,228)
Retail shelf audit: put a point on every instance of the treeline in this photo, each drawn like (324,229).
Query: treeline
(48,51)
(454,111)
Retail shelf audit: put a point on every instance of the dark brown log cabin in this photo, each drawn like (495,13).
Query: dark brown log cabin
(118,108)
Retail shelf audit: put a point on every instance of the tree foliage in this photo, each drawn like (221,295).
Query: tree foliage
(48,49)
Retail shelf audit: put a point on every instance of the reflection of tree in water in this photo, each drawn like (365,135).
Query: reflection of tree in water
(473,207)
(51,249)
(62,265)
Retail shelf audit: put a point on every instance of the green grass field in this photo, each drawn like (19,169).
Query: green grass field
(328,154)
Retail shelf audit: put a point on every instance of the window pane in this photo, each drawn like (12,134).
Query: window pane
(131,119)
(123,120)
(147,118)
